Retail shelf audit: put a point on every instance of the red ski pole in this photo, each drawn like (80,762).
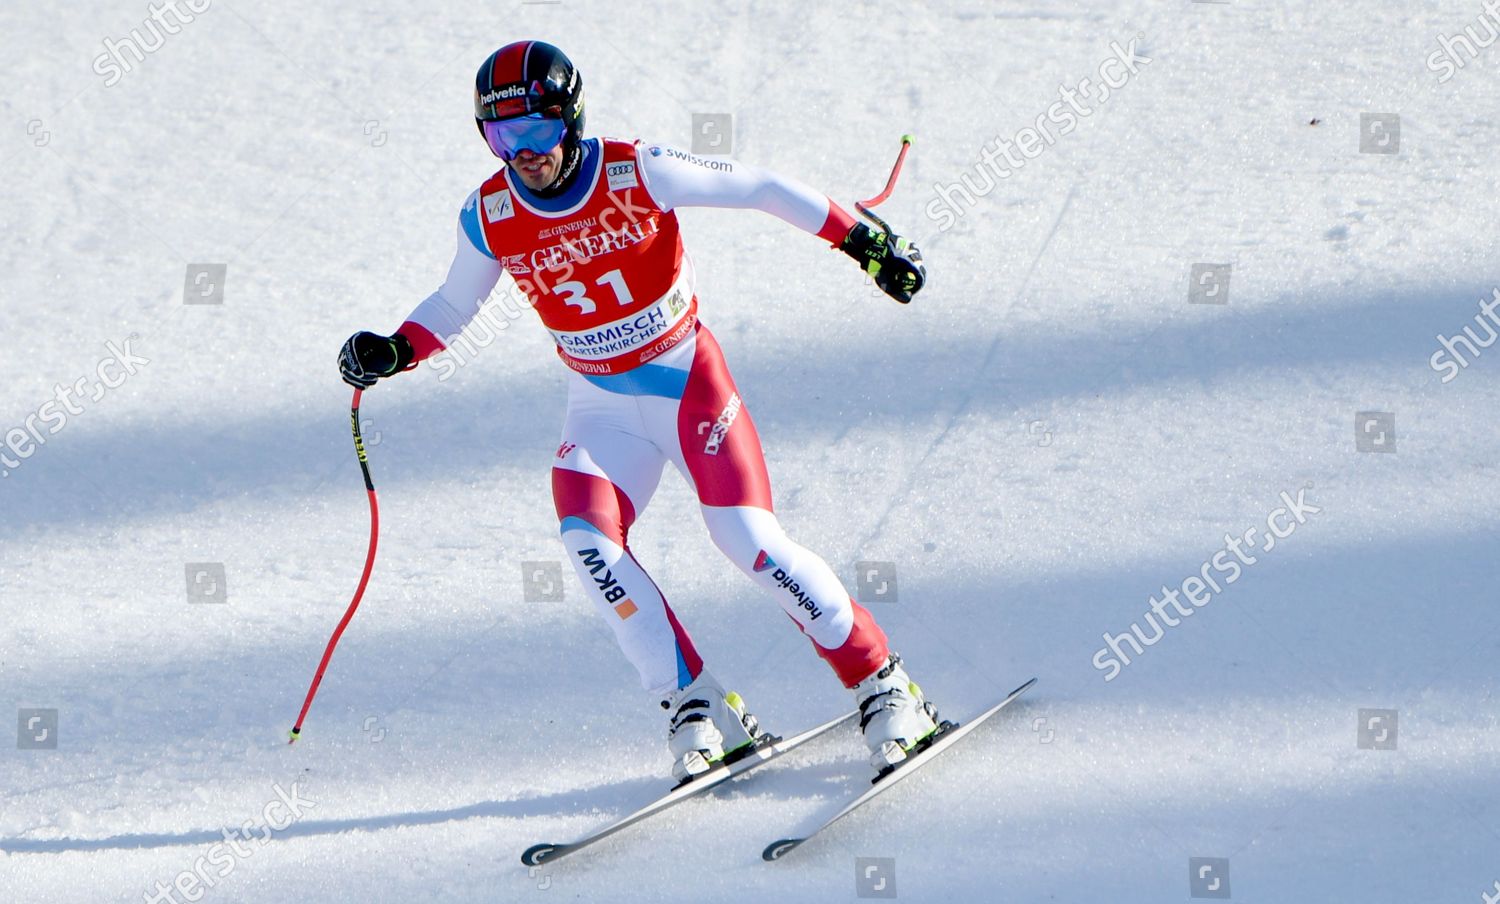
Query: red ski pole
(364,579)
(890,185)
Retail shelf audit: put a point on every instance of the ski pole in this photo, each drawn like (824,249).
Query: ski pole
(890,185)
(364,579)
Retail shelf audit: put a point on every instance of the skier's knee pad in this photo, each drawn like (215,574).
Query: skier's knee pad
(586,500)
(584,530)
(743,533)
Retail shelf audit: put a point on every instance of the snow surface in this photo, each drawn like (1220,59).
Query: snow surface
(1049,434)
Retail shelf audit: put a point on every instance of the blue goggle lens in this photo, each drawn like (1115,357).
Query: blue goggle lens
(536,133)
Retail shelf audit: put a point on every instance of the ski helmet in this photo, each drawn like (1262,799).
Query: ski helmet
(528,77)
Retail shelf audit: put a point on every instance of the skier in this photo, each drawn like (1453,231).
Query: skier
(586,227)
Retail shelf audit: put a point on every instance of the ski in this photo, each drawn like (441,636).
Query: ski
(767,749)
(947,735)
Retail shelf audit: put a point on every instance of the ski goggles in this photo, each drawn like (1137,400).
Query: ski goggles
(535,133)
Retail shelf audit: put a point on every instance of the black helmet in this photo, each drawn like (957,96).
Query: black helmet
(529,77)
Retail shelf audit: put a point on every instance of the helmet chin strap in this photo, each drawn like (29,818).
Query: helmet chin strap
(572,154)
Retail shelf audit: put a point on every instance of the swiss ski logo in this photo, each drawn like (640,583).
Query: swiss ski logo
(763,562)
(499,206)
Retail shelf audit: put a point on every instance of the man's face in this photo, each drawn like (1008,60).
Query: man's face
(537,171)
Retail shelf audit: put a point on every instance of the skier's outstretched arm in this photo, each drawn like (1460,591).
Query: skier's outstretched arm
(441,316)
(676,178)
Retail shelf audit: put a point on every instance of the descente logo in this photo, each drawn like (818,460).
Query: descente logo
(506,93)
(718,430)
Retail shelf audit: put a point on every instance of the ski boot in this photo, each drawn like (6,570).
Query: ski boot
(707,726)
(893,716)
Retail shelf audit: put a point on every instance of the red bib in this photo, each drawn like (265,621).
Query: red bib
(607,275)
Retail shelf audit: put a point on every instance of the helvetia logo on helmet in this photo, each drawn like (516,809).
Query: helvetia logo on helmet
(506,93)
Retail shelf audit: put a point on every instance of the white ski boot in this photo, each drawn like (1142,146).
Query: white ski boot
(707,725)
(893,715)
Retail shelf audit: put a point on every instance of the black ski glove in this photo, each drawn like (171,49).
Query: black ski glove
(892,261)
(367,357)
